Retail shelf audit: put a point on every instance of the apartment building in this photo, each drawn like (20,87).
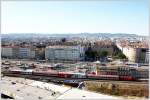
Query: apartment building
(18,52)
(103,45)
(147,57)
(7,52)
(40,52)
(70,53)
(138,53)
(26,52)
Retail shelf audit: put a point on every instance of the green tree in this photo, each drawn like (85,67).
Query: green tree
(91,54)
(63,40)
(103,53)
(119,55)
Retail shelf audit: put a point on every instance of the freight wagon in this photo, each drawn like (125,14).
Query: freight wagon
(71,75)
(126,78)
(64,75)
(44,73)
(103,77)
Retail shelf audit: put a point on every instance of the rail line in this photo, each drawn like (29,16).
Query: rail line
(52,78)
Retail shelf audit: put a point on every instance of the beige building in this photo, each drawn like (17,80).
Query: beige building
(104,45)
(135,53)
(32,53)
(40,53)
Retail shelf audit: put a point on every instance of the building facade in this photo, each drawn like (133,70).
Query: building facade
(40,53)
(26,52)
(15,52)
(7,52)
(147,56)
(70,53)
(138,55)
(135,53)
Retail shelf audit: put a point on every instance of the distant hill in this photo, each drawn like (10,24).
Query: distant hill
(28,35)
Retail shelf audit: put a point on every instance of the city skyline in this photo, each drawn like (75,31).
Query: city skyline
(75,17)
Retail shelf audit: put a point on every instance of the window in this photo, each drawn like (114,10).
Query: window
(143,50)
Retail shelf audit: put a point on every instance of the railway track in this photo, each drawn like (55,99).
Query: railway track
(50,78)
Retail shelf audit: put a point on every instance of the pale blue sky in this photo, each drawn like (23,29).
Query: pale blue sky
(118,16)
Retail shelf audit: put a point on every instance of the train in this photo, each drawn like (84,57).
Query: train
(69,75)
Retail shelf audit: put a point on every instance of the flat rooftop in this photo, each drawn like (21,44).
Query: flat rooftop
(61,46)
(80,94)
(26,89)
(22,90)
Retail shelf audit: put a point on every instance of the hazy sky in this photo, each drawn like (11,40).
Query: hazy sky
(118,16)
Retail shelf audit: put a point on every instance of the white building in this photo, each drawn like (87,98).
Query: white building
(147,56)
(18,52)
(7,52)
(69,53)
(26,52)
(32,53)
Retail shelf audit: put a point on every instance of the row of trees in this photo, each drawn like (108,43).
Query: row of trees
(117,54)
(94,54)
